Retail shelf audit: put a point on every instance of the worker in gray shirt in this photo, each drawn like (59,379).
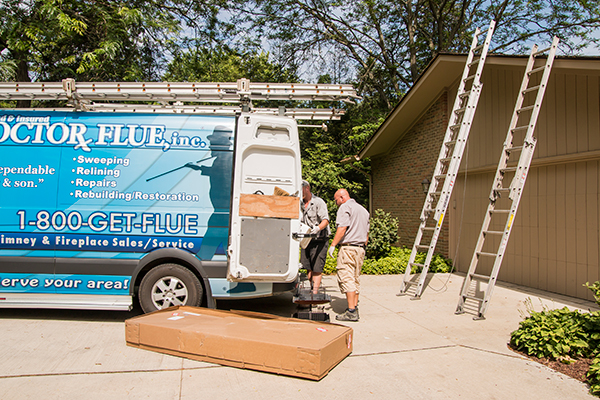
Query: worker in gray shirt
(352,235)
(315,215)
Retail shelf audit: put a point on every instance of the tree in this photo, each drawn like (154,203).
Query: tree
(223,64)
(323,152)
(389,43)
(51,40)
(126,40)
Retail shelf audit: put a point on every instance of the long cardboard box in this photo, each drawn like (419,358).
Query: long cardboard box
(264,342)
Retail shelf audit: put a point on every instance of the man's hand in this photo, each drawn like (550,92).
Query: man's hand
(315,230)
(331,250)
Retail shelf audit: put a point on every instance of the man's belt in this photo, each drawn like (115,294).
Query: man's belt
(353,245)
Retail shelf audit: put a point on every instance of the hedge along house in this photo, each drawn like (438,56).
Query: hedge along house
(555,242)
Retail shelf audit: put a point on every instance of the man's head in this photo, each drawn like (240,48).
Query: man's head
(306,190)
(341,196)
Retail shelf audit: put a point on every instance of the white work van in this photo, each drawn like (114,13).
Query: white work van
(172,207)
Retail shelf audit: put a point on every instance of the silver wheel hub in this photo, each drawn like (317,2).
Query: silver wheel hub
(169,291)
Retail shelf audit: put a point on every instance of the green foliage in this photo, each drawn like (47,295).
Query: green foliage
(52,40)
(383,233)
(223,64)
(394,263)
(124,40)
(562,333)
(595,288)
(323,150)
(386,45)
(553,334)
(330,264)
(384,266)
(557,333)
(593,377)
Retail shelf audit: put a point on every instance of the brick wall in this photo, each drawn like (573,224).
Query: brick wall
(397,175)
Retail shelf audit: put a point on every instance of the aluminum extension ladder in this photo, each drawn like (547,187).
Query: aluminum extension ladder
(522,125)
(169,97)
(449,159)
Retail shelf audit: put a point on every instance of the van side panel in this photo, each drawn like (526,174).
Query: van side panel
(82,185)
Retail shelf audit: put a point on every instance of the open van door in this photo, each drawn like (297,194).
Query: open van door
(265,210)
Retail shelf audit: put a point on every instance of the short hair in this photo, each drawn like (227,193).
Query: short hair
(305,183)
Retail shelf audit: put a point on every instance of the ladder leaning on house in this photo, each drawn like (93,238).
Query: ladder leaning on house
(523,122)
(449,159)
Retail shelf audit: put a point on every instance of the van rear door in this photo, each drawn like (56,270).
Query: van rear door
(266,200)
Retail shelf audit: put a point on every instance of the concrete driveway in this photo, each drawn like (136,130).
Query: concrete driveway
(403,349)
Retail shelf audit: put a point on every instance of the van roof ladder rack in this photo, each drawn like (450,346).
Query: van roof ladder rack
(173,97)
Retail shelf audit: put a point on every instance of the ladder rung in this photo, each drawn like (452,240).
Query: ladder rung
(541,51)
(420,246)
(428,228)
(445,159)
(508,169)
(502,190)
(528,108)
(440,176)
(437,193)
(493,232)
(466,296)
(536,70)
(468,78)
(474,62)
(531,89)
(453,127)
(479,276)
(499,211)
(518,128)
(451,143)
(516,148)
(483,253)
(460,110)
(465,94)
(418,265)
(479,47)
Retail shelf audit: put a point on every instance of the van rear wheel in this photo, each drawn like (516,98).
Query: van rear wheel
(169,285)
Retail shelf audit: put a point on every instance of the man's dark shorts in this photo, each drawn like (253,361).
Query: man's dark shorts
(313,257)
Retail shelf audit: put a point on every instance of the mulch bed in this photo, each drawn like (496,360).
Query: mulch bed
(576,370)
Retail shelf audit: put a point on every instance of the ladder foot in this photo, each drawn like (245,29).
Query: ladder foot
(478,317)
(401,294)
(415,297)
(458,312)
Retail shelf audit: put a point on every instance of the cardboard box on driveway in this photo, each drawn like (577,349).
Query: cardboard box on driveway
(264,342)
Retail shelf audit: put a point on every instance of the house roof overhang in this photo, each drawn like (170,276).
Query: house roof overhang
(444,71)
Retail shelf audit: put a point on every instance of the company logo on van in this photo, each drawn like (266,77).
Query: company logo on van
(20,129)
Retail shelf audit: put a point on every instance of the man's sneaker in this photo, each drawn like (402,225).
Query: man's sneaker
(347,316)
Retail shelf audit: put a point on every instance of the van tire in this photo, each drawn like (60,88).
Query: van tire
(169,285)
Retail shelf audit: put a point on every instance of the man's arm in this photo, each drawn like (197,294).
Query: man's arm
(323,224)
(339,234)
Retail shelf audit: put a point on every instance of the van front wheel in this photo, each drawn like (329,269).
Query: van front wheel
(169,285)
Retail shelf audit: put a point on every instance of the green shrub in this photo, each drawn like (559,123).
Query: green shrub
(591,325)
(383,233)
(596,289)
(593,377)
(330,264)
(553,334)
(562,333)
(394,263)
